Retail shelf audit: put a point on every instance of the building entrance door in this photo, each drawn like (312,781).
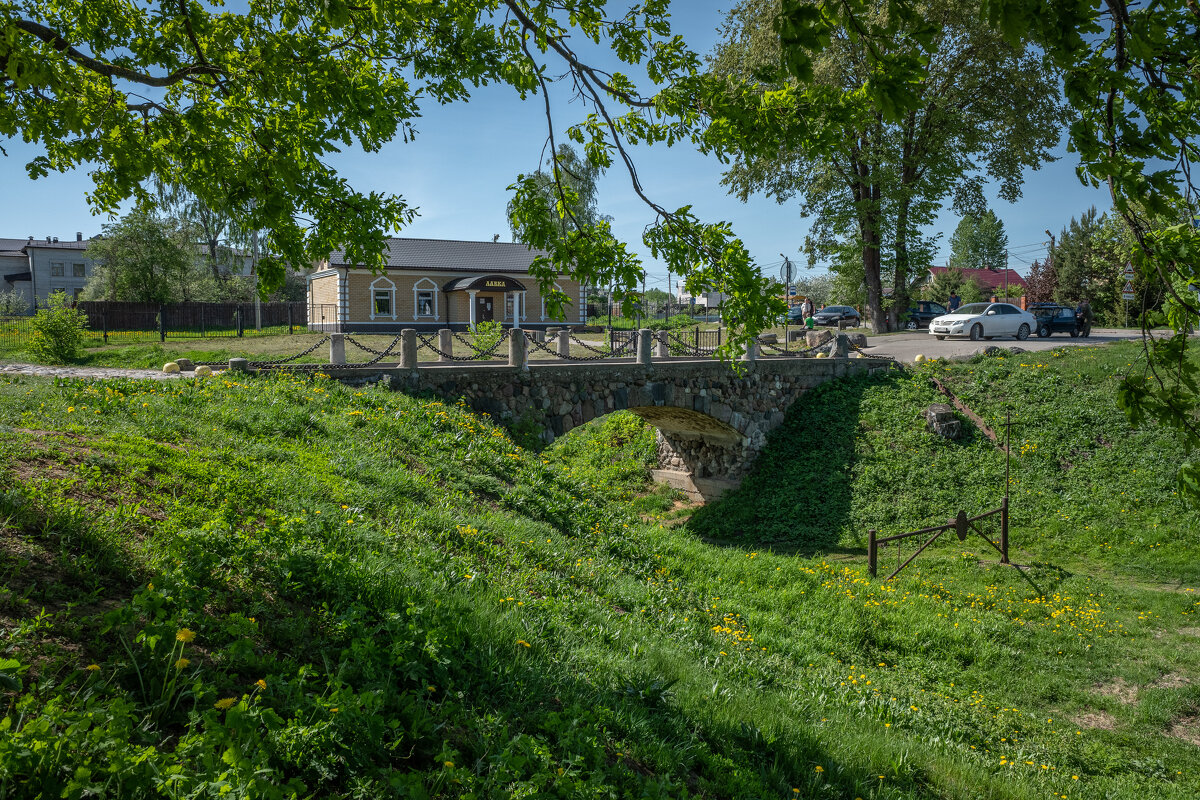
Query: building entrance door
(483,309)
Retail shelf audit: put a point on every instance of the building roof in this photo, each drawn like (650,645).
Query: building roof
(60,245)
(12,253)
(986,278)
(447,254)
(9,246)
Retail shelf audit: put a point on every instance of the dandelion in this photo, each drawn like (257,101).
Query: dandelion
(222,705)
(184,635)
(93,667)
(448,764)
(523,642)
(819,768)
(261,684)
(182,663)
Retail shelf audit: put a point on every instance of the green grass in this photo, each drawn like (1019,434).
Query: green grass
(434,610)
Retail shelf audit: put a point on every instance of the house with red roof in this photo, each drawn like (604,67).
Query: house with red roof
(990,280)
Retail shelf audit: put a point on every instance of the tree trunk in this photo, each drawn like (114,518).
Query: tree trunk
(900,301)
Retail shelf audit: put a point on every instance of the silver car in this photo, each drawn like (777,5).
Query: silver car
(984,321)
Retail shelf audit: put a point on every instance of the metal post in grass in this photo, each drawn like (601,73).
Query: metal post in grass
(241,328)
(445,344)
(104,322)
(644,342)
(517,355)
(337,348)
(408,348)
(872,552)
(1004,531)
(162,324)
(289,319)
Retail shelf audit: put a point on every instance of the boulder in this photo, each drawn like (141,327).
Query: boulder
(814,338)
(858,339)
(170,368)
(940,420)
(203,371)
(185,364)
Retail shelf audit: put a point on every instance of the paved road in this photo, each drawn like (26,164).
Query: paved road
(904,346)
(85,372)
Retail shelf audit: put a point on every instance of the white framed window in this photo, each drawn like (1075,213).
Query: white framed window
(425,299)
(78,270)
(509,306)
(383,299)
(56,269)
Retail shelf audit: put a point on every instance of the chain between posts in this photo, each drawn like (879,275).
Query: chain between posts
(600,354)
(428,344)
(267,363)
(480,353)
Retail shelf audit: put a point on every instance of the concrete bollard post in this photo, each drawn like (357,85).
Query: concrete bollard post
(564,343)
(337,348)
(660,345)
(408,349)
(645,342)
(517,354)
(185,364)
(751,352)
(445,344)
(239,365)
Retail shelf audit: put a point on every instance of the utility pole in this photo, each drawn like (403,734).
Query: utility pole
(668,314)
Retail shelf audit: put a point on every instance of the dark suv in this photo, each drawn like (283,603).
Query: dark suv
(920,315)
(1053,318)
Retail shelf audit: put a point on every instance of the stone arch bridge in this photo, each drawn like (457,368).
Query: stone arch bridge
(711,421)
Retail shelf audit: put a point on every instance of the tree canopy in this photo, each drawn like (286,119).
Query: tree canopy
(979,242)
(145,259)
(982,106)
(244,107)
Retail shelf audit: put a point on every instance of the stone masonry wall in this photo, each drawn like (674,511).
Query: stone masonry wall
(711,421)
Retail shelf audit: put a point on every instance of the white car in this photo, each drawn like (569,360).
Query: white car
(984,321)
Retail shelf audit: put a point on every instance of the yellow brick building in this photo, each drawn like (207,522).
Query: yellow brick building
(435,283)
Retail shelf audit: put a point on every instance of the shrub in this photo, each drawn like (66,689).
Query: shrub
(12,302)
(58,331)
(487,335)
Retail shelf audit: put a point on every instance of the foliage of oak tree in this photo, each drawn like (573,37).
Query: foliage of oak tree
(244,106)
(982,105)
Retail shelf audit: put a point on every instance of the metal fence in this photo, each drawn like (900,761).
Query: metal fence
(148,322)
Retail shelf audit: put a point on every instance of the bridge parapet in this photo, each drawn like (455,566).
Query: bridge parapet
(711,421)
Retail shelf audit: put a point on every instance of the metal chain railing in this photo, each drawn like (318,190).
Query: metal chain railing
(268,362)
(429,345)
(481,353)
(379,354)
(688,348)
(601,354)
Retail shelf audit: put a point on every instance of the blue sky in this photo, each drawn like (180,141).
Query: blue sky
(465,155)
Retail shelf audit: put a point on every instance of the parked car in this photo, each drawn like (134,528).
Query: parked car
(985,321)
(920,315)
(832,315)
(1053,318)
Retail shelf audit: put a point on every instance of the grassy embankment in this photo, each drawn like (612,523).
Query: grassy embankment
(287,582)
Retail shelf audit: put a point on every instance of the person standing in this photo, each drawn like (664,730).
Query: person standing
(954,302)
(1083,312)
(806,308)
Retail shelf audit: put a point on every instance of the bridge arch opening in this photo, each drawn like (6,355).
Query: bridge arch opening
(697,453)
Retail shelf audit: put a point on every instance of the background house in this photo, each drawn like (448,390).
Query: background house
(35,268)
(991,282)
(428,284)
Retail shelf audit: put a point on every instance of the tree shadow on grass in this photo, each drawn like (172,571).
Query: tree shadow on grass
(797,495)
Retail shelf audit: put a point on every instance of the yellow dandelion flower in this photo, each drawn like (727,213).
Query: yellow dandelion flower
(181,663)
(819,768)
(522,641)
(222,705)
(448,764)
(184,635)
(93,667)
(260,683)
